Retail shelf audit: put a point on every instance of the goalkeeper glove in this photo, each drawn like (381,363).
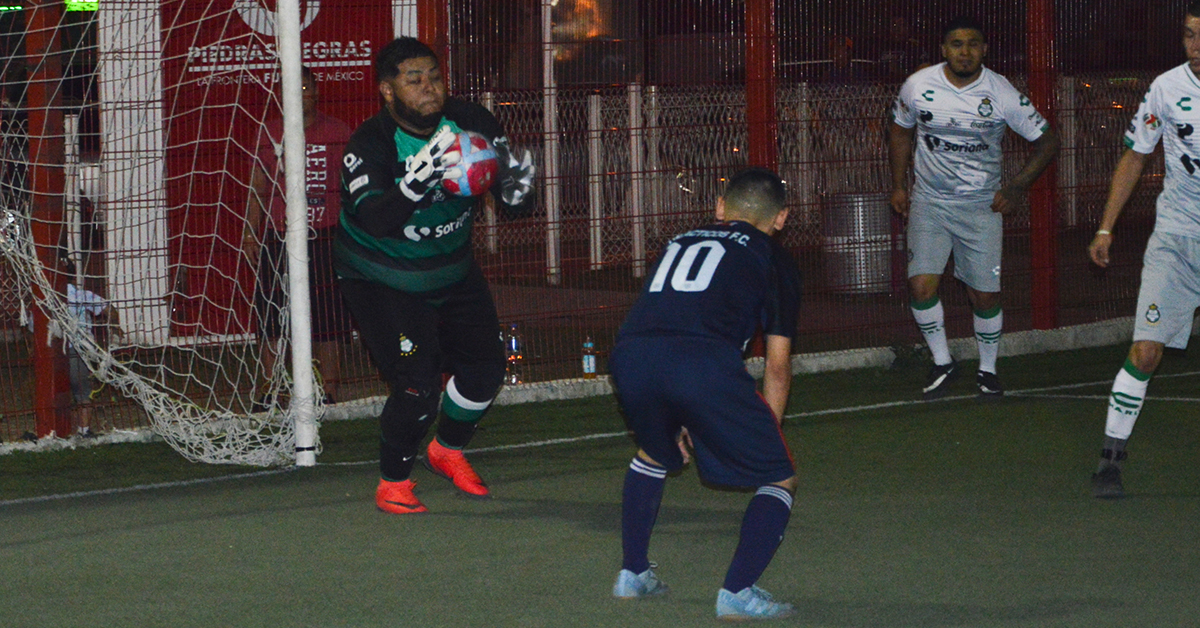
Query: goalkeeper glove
(427,167)
(517,180)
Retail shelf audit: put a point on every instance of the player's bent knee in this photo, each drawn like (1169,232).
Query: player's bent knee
(1146,355)
(479,382)
(923,287)
(411,398)
(645,457)
(983,301)
(790,484)
(407,415)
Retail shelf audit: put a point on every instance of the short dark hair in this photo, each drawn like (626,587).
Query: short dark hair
(396,52)
(960,22)
(1194,9)
(755,193)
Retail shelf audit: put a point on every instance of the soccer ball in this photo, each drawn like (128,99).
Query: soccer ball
(477,169)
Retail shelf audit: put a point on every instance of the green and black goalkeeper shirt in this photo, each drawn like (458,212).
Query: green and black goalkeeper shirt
(384,236)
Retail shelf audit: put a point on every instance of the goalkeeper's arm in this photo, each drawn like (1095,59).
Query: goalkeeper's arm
(369,192)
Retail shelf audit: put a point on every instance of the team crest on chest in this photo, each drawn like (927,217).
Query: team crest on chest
(1152,314)
(985,108)
(407,347)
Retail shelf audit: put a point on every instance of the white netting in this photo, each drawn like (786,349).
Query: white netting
(151,125)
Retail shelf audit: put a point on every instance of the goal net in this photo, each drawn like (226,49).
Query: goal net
(131,130)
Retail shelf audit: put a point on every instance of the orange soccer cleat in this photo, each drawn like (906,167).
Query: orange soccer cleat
(397,497)
(452,465)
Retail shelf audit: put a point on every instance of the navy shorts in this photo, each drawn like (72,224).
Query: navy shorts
(664,384)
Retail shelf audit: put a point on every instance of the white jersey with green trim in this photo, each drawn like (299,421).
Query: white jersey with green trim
(1173,104)
(959,131)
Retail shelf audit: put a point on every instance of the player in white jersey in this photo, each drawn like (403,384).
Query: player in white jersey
(1170,290)
(953,116)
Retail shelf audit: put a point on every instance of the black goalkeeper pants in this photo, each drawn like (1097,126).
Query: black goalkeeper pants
(413,339)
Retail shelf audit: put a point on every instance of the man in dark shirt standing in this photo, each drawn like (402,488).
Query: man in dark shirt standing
(266,225)
(404,262)
(902,53)
(678,371)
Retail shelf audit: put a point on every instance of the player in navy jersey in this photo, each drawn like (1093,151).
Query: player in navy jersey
(679,375)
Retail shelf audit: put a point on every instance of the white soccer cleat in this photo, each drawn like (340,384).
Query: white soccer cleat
(750,603)
(631,585)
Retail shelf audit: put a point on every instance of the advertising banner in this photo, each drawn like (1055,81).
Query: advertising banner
(220,68)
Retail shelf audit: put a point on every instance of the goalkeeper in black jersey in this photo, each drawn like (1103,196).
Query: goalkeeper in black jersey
(404,264)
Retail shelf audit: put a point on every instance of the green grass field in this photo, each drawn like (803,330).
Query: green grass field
(943,514)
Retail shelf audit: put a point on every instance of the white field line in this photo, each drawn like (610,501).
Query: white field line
(145,487)
(1105,397)
(1028,392)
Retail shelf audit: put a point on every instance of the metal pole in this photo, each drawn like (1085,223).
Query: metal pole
(490,236)
(302,404)
(550,144)
(433,28)
(760,83)
(1043,214)
(595,181)
(654,191)
(1068,130)
(52,395)
(637,218)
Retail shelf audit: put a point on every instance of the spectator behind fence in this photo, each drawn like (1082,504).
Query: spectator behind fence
(266,225)
(88,310)
(902,53)
(842,68)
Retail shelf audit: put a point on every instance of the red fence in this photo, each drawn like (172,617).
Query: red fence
(647,106)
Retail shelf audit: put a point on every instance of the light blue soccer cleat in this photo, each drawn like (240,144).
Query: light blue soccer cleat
(631,585)
(750,603)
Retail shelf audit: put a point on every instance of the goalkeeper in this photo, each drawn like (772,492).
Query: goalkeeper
(404,263)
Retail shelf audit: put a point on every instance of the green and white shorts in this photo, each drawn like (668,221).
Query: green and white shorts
(1170,291)
(971,231)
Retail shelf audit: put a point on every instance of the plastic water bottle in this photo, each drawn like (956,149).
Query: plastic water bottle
(589,358)
(513,352)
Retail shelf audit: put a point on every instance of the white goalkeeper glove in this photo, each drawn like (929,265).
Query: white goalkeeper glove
(427,167)
(517,180)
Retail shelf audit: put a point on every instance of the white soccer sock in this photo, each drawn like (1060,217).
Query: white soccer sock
(987,336)
(1125,402)
(932,323)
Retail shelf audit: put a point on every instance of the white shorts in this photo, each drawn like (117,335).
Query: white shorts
(1170,291)
(971,231)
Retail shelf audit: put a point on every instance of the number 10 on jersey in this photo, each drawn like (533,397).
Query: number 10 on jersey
(700,278)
